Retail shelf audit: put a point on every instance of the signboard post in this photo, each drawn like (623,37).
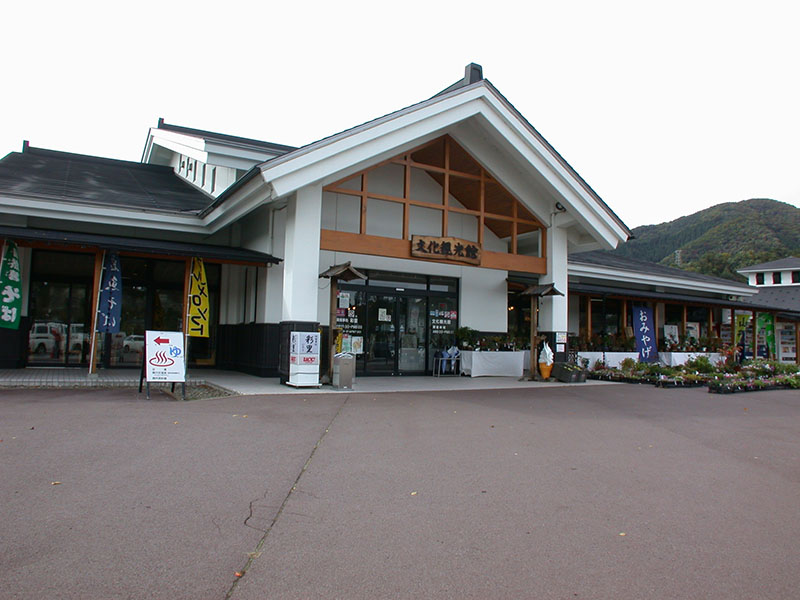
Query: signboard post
(164,358)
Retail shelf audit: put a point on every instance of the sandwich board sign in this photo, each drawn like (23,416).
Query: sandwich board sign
(164,358)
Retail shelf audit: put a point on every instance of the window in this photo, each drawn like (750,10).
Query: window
(759,279)
(776,277)
(436,190)
(795,276)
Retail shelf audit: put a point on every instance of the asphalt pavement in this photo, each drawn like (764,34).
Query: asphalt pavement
(586,491)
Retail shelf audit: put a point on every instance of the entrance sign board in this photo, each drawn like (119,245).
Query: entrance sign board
(304,359)
(164,356)
(445,248)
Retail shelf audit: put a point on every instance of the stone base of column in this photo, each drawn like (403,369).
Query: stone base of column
(286,328)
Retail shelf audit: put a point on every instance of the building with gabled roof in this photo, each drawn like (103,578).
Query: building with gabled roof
(438,205)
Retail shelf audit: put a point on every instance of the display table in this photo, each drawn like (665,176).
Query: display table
(480,364)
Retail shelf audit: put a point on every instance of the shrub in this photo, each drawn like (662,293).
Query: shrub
(700,364)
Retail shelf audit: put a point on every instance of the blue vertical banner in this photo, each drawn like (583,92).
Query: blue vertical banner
(109,305)
(644,331)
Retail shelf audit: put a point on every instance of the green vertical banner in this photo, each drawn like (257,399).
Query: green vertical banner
(766,327)
(10,287)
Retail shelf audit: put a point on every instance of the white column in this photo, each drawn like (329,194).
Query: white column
(553,310)
(273,309)
(301,259)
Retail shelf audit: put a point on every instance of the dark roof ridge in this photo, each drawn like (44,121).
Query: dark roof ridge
(473,73)
(607,259)
(224,137)
(46,152)
(788,262)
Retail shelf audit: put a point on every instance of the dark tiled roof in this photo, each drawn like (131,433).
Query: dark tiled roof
(779,297)
(67,177)
(225,138)
(784,264)
(666,296)
(613,261)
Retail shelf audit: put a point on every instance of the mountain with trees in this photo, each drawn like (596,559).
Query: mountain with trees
(721,239)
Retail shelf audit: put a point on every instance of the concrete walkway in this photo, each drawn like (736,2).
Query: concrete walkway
(243,384)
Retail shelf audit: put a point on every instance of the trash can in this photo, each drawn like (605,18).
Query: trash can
(344,370)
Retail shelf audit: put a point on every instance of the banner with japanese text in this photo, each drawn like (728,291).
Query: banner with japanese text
(10,288)
(644,332)
(109,304)
(741,323)
(766,332)
(198,300)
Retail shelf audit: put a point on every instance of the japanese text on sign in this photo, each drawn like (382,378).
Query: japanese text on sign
(109,305)
(10,291)
(198,300)
(445,248)
(304,348)
(164,356)
(643,331)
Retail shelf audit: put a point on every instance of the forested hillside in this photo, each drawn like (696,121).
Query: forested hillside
(723,238)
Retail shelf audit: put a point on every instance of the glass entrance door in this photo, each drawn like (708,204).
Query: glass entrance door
(396,335)
(411,327)
(58,334)
(381,342)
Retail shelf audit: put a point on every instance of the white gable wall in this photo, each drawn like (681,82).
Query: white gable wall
(341,212)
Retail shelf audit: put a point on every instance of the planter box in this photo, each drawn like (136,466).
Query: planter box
(737,389)
(613,359)
(670,383)
(565,375)
(673,359)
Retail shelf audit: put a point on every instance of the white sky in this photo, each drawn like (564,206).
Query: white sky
(663,108)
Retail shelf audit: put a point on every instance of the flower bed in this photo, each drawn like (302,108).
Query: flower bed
(721,378)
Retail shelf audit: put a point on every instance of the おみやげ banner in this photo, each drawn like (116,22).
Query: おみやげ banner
(644,332)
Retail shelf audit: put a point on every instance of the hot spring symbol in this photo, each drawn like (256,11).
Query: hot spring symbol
(160,359)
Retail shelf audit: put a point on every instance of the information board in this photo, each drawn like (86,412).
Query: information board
(304,348)
(164,356)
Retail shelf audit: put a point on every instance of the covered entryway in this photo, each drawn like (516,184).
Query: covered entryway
(399,320)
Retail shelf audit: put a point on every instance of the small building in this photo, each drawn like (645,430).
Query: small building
(778,284)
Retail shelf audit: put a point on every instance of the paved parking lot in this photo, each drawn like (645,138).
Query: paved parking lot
(587,491)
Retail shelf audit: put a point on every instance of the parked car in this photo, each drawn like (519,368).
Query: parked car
(133,343)
(47,338)
(77,336)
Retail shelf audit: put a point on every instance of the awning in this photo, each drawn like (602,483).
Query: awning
(345,272)
(138,245)
(599,290)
